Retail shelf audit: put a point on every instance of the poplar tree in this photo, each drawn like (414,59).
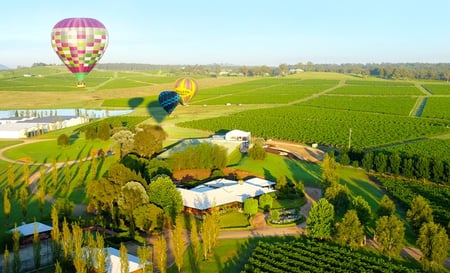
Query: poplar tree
(23,198)
(78,259)
(36,248)
(6,262)
(178,243)
(161,254)
(6,204)
(16,250)
(350,231)
(54,174)
(123,258)
(195,242)
(55,234)
(26,174)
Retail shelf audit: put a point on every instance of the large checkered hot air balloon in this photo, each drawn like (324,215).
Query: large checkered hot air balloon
(79,43)
(187,88)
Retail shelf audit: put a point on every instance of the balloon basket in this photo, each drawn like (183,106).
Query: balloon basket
(81,84)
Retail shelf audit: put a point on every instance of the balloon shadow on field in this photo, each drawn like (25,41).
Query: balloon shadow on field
(135,102)
(156,111)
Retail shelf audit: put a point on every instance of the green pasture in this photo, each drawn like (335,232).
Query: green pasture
(398,105)
(378,83)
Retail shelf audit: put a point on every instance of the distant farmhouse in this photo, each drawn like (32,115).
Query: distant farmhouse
(23,127)
(221,192)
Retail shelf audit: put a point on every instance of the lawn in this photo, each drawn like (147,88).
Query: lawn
(234,219)
(47,151)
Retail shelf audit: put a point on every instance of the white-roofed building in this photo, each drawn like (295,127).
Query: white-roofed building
(222,192)
(238,135)
(113,264)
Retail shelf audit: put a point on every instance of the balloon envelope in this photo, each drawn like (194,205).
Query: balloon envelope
(187,88)
(168,100)
(79,43)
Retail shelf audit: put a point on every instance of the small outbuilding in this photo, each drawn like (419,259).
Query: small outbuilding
(27,231)
(238,135)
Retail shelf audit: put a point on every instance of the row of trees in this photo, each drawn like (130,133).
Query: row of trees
(419,167)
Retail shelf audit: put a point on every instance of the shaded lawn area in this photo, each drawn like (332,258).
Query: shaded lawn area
(47,151)
(229,256)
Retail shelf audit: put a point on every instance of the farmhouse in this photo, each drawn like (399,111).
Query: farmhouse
(16,127)
(222,192)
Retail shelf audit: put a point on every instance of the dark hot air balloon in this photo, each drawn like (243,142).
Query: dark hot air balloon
(168,100)
(79,43)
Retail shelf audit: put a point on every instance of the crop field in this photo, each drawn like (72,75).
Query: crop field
(438,89)
(265,91)
(374,90)
(432,148)
(378,104)
(437,107)
(327,126)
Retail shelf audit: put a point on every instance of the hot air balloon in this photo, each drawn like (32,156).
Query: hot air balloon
(168,100)
(79,43)
(187,88)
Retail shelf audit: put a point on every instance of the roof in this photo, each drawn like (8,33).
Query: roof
(237,132)
(256,181)
(114,259)
(220,192)
(28,229)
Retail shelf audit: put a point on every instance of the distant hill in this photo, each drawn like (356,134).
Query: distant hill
(3,67)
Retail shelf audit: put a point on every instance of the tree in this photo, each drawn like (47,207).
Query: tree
(161,254)
(145,259)
(36,248)
(433,242)
(132,196)
(394,163)
(380,163)
(423,168)
(389,234)
(438,170)
(148,140)
(195,242)
(407,167)
(345,159)
(320,220)
(156,167)
(104,131)
(178,243)
(265,202)
(23,198)
(6,204)
(338,195)
(281,184)
(125,140)
(329,175)
(367,161)
(91,132)
(6,262)
(257,152)
(55,234)
(363,209)
(350,231)
(63,140)
(16,250)
(250,206)
(163,193)
(123,258)
(64,206)
(148,217)
(79,261)
(386,207)
(419,213)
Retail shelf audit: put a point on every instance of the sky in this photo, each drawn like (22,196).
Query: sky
(238,32)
